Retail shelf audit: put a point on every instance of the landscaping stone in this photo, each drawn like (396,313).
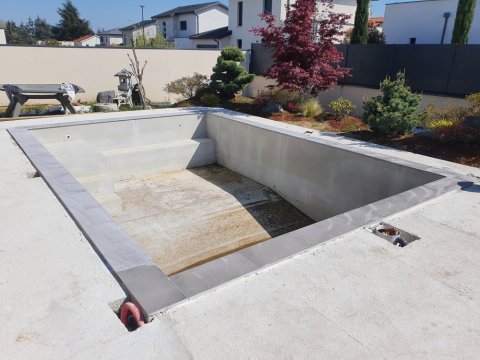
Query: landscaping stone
(420,131)
(83,109)
(105,107)
(472,122)
(271,108)
(106,97)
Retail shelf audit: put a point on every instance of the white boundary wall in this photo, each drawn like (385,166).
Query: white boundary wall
(94,68)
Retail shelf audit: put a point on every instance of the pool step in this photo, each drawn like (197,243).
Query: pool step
(154,158)
(83,160)
(79,157)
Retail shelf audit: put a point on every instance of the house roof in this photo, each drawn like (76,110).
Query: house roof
(190,9)
(219,33)
(376,21)
(137,25)
(83,38)
(115,31)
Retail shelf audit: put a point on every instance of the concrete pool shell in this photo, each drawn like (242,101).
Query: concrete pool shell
(338,188)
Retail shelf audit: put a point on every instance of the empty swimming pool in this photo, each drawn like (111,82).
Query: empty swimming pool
(178,202)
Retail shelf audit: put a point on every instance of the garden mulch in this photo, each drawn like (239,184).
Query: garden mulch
(462,153)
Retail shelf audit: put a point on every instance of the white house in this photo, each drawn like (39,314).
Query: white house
(376,22)
(131,32)
(244,15)
(212,39)
(425,22)
(87,40)
(183,22)
(111,37)
(3,38)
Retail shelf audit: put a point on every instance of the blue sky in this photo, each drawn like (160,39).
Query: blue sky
(108,13)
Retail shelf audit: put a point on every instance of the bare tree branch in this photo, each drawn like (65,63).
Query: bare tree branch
(138,73)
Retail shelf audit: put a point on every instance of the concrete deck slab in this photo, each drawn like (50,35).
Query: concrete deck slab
(354,297)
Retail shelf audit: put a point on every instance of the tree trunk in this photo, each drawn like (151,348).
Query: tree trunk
(463,21)
(360,28)
(138,73)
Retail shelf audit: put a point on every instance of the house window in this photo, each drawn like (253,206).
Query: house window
(207,46)
(183,25)
(164,29)
(239,43)
(267,6)
(240,13)
(101,39)
(413,41)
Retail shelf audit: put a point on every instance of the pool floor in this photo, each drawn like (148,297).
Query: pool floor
(188,217)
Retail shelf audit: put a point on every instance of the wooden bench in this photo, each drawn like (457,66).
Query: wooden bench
(19,94)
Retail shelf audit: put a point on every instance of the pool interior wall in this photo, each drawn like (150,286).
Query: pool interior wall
(320,180)
(339,188)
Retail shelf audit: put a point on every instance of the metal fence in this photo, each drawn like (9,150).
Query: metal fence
(452,70)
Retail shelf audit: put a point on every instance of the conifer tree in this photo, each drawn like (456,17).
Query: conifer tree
(360,27)
(463,21)
(396,111)
(228,76)
(43,30)
(71,26)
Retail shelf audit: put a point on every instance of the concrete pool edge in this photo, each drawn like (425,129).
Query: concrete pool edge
(137,273)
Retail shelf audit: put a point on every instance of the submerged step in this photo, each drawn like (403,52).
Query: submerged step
(164,156)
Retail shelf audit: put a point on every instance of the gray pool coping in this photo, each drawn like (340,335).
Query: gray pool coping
(136,272)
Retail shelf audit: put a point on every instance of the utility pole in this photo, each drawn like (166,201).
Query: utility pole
(143,25)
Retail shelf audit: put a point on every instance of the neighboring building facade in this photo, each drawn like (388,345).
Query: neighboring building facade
(425,22)
(88,41)
(3,38)
(213,39)
(376,22)
(111,37)
(183,22)
(244,15)
(132,32)
(59,43)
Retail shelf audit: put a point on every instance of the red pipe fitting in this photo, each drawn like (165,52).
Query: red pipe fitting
(130,308)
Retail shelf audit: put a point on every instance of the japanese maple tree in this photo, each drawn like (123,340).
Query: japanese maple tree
(304,56)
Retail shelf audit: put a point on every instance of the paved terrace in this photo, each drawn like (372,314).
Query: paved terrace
(355,297)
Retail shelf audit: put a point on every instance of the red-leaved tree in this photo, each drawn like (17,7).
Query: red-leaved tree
(304,55)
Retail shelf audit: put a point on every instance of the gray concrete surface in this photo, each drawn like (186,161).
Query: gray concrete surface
(354,297)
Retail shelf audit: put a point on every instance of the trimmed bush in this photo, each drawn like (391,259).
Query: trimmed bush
(474,100)
(396,111)
(447,130)
(228,76)
(288,99)
(187,86)
(342,108)
(311,108)
(210,100)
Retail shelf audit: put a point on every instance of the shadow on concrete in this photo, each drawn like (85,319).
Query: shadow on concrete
(469,186)
(266,207)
